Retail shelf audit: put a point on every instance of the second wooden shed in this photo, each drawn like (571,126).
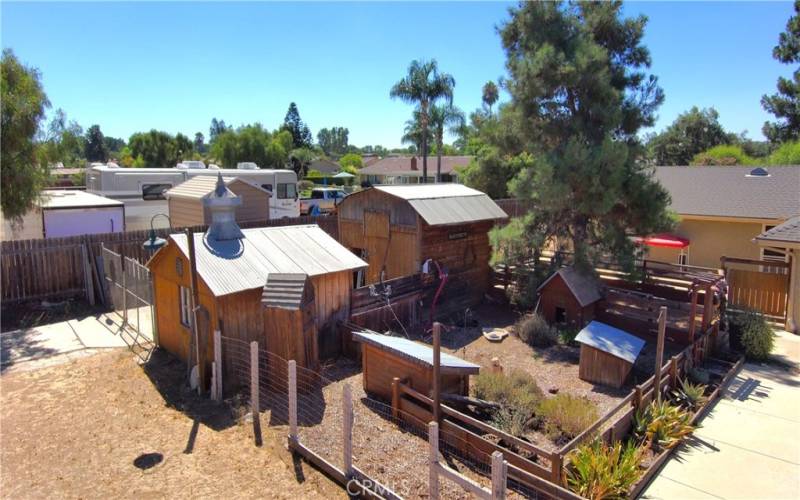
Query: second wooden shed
(568,298)
(607,354)
(186,201)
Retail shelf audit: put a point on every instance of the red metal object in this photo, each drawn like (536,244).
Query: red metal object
(442,281)
(664,240)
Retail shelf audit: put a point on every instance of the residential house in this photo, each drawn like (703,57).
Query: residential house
(408,169)
(325,167)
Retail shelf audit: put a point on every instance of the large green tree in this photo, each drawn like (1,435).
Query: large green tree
(580,94)
(159,149)
(785,105)
(423,85)
(443,118)
(692,132)
(490,94)
(251,143)
(95,149)
(63,140)
(301,135)
(334,140)
(23,168)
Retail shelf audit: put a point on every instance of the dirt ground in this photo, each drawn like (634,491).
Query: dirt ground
(103,426)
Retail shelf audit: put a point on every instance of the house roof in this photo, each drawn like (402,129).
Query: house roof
(233,266)
(731,192)
(284,290)
(325,166)
(611,340)
(788,232)
(201,186)
(54,199)
(402,165)
(417,353)
(444,203)
(584,288)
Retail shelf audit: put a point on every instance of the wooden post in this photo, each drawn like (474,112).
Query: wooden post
(347,428)
(218,365)
(195,303)
(662,328)
(693,314)
(673,371)
(433,479)
(499,471)
(254,406)
(395,398)
(293,400)
(87,275)
(437,347)
(637,398)
(556,464)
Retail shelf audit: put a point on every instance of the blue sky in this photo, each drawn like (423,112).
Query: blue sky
(174,66)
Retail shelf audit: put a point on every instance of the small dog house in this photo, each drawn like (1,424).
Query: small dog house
(187,207)
(384,358)
(568,297)
(607,354)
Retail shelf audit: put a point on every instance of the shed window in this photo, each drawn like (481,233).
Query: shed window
(561,315)
(186,306)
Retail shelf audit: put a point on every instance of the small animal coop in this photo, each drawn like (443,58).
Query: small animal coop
(398,228)
(187,208)
(384,358)
(569,297)
(607,354)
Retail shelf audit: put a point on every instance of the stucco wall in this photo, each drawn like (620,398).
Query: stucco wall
(710,240)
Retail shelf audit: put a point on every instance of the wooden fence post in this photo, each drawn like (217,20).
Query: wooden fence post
(87,275)
(395,397)
(433,461)
(292,400)
(499,472)
(637,398)
(437,367)
(255,407)
(556,463)
(673,371)
(662,328)
(347,428)
(217,365)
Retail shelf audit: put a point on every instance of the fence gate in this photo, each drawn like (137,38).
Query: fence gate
(129,293)
(758,284)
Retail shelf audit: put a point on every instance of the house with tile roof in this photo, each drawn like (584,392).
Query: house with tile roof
(408,169)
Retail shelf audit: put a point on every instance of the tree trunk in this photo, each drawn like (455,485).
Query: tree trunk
(439,161)
(424,157)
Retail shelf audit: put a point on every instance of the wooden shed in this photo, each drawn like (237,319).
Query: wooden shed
(397,228)
(186,201)
(607,354)
(568,298)
(385,357)
(286,287)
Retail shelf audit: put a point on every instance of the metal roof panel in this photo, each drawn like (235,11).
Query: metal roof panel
(611,340)
(416,351)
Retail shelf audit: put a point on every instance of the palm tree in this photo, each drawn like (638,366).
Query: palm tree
(423,86)
(442,117)
(413,133)
(490,94)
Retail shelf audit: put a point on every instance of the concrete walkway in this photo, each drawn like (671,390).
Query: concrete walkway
(749,444)
(58,343)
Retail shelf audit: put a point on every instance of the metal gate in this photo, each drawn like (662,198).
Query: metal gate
(129,294)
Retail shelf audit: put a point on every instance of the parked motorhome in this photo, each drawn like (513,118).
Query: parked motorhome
(151,184)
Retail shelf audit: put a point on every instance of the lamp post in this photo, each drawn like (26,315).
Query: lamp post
(153,243)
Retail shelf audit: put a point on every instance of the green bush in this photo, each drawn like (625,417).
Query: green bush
(599,471)
(518,396)
(567,335)
(750,332)
(787,154)
(724,154)
(689,395)
(534,330)
(567,415)
(661,425)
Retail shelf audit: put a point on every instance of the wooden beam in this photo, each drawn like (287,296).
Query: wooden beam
(437,369)
(662,329)
(433,461)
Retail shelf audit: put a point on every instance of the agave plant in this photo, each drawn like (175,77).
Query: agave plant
(661,425)
(690,395)
(599,471)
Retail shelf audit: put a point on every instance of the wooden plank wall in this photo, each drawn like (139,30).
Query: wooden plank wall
(765,292)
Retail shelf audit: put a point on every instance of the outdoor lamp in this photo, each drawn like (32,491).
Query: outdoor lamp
(154,242)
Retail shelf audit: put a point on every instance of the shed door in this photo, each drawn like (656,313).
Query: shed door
(376,235)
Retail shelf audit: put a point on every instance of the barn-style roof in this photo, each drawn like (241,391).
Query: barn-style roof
(232,266)
(417,353)
(201,186)
(611,340)
(585,289)
(445,203)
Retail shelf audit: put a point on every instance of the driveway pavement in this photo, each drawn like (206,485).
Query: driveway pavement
(749,444)
(58,343)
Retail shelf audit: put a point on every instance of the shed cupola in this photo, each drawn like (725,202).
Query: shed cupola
(222,204)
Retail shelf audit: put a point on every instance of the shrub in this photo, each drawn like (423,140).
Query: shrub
(518,396)
(724,154)
(750,330)
(787,154)
(566,414)
(699,376)
(567,335)
(661,425)
(690,395)
(534,330)
(601,471)
(510,420)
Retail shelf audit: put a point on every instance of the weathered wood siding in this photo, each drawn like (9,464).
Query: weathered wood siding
(332,303)
(185,212)
(380,367)
(255,202)
(600,367)
(557,294)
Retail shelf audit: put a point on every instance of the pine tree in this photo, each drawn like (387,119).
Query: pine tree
(95,149)
(301,135)
(785,105)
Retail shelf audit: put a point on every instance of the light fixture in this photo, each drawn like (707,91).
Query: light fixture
(153,243)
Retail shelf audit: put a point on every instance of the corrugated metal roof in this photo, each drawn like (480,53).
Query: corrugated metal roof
(284,290)
(417,352)
(57,198)
(584,288)
(611,340)
(232,266)
(200,186)
(444,203)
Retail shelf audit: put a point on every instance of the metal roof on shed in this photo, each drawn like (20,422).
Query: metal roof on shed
(56,198)
(232,266)
(200,186)
(419,353)
(612,340)
(445,203)
(284,291)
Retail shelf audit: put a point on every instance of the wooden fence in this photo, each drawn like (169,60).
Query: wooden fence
(758,284)
(55,268)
